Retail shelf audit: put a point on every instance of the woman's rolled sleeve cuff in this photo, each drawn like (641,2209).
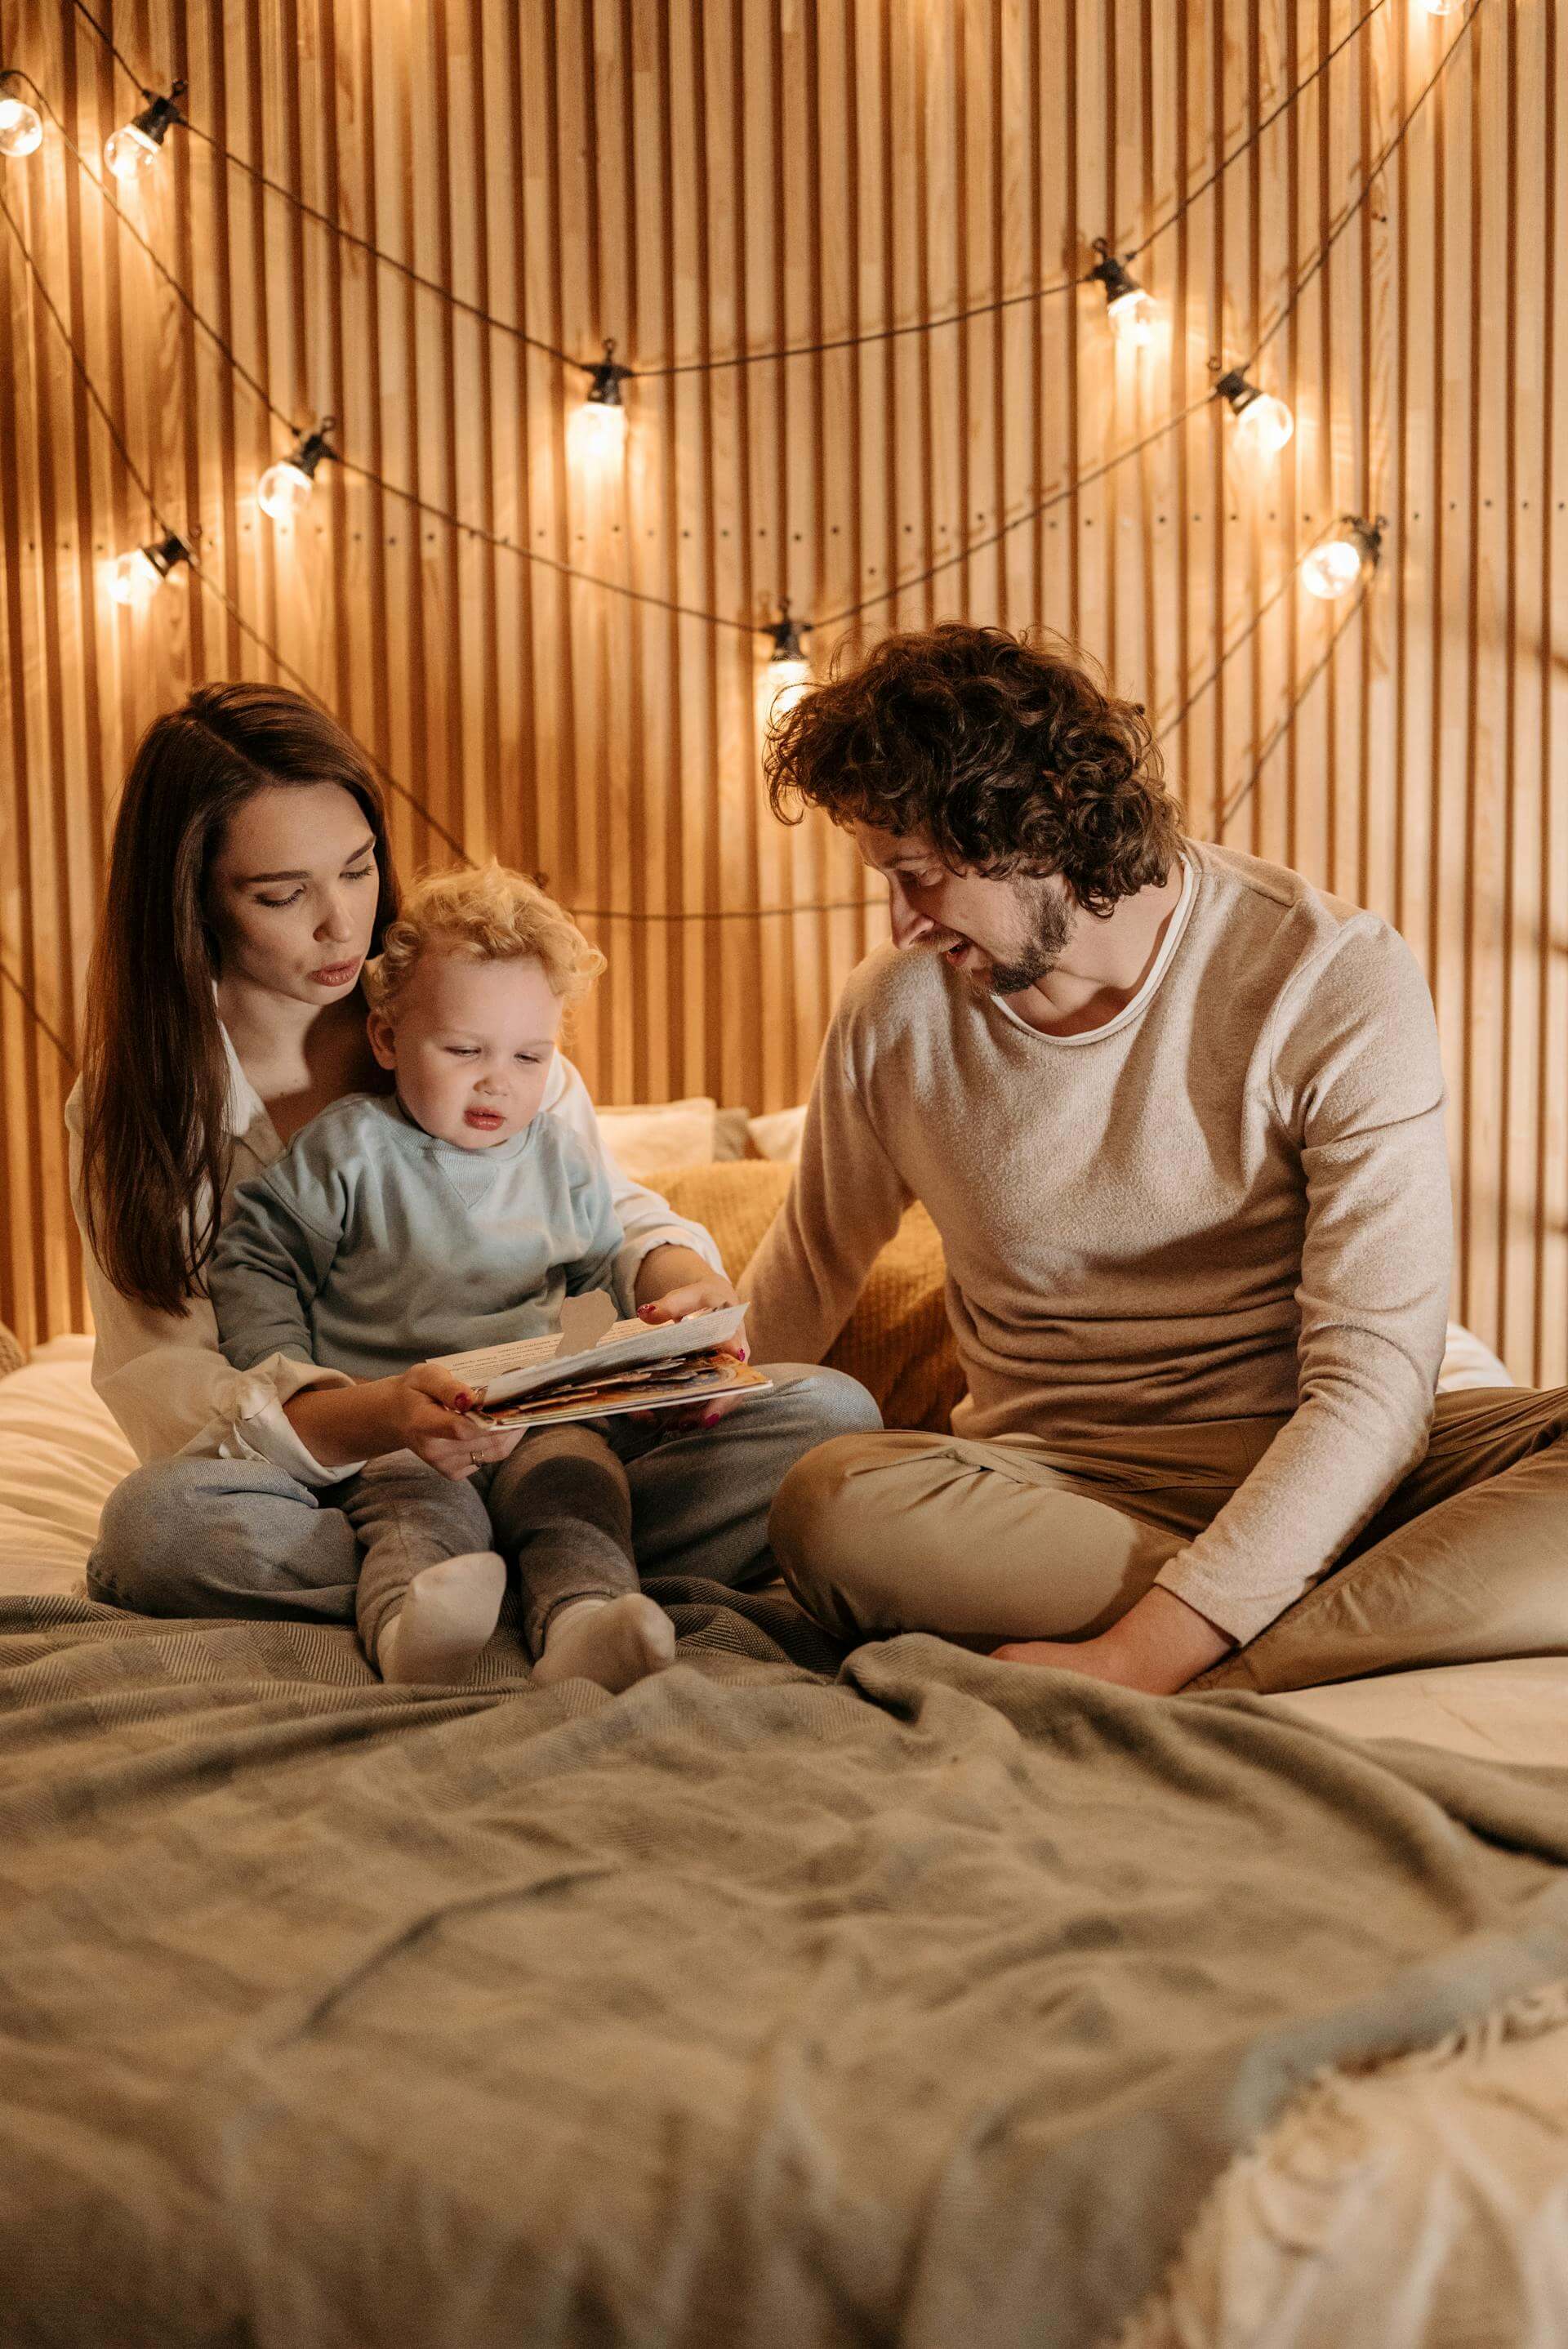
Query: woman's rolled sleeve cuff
(251,1424)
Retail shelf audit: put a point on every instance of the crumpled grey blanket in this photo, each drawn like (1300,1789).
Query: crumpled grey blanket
(920,2000)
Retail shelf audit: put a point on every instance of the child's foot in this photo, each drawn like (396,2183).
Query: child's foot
(447,1614)
(615,1642)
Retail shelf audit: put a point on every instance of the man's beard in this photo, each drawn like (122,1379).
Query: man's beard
(1051,927)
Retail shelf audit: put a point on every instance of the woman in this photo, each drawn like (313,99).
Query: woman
(250,878)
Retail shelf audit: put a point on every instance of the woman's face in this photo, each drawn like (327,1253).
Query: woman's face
(292,892)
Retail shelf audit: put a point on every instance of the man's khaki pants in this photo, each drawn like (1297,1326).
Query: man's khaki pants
(1009,1540)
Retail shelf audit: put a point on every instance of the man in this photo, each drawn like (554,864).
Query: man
(1178,1117)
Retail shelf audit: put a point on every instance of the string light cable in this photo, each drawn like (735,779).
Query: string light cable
(819,347)
(786,634)
(1033,514)
(608,375)
(418,503)
(1320,258)
(1245,792)
(613,374)
(637,916)
(337,228)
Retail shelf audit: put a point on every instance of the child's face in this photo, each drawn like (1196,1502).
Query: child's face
(471,1043)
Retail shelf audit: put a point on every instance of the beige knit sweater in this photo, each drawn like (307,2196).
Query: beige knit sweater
(1232,1201)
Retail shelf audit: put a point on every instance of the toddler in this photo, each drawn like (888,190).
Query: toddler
(452,1214)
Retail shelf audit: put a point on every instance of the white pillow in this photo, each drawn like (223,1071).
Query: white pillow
(61,1455)
(1468,1363)
(649,1136)
(778,1136)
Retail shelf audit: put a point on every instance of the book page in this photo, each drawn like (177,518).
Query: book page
(727,1378)
(502,1372)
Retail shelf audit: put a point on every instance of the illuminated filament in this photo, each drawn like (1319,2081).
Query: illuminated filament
(285,487)
(133,147)
(1347,554)
(1131,312)
(786,677)
(139,575)
(21,127)
(1263,424)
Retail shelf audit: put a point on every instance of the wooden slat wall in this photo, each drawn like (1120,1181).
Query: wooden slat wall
(694,177)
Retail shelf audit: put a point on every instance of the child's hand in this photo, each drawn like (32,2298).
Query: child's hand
(431,1409)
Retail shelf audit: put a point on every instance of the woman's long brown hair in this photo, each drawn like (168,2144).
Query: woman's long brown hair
(155,1077)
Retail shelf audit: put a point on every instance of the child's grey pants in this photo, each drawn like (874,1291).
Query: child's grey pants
(559,1508)
(196,1536)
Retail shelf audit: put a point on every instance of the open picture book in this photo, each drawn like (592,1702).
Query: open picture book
(596,1365)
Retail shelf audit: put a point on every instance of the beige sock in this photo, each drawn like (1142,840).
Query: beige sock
(448,1612)
(615,1642)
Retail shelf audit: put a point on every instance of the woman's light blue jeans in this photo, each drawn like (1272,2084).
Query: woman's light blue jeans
(240,1538)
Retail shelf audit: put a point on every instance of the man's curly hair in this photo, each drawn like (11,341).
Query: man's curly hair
(1004,752)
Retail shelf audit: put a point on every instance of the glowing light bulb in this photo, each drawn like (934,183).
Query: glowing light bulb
(1132,317)
(133,147)
(21,127)
(285,487)
(1263,424)
(283,490)
(1443,8)
(1131,311)
(598,428)
(128,152)
(133,577)
(785,683)
(786,677)
(1340,559)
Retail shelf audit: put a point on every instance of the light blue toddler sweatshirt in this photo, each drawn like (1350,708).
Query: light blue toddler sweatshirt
(370,1246)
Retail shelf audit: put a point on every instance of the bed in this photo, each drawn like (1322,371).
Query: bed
(795,1997)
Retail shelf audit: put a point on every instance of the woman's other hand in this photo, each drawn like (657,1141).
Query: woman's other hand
(434,1420)
(704,1291)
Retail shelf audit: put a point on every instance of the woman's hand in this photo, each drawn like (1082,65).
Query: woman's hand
(424,1411)
(435,1422)
(696,1289)
(706,1296)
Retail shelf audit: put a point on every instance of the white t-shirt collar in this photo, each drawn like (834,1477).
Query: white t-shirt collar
(1138,1003)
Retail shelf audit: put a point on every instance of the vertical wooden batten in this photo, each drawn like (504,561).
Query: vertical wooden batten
(697,178)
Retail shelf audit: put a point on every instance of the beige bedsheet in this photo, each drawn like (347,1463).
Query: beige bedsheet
(1422,2204)
(1514,1712)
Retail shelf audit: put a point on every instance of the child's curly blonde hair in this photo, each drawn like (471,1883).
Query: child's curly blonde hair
(490,914)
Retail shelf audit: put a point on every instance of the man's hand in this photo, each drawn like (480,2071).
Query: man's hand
(1158,1645)
(671,1283)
